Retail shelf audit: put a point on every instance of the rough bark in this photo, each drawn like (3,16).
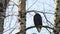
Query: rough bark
(57,17)
(21,16)
(2,14)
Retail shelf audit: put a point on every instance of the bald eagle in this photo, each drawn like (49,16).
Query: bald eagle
(38,22)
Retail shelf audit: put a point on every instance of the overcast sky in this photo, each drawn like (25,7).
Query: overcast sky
(39,5)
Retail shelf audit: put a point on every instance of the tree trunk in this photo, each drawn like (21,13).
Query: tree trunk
(57,17)
(22,16)
(3,5)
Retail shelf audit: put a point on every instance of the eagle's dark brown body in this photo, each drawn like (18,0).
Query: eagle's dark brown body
(38,21)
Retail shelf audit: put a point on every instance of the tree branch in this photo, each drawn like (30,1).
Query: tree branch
(42,26)
(34,26)
(39,12)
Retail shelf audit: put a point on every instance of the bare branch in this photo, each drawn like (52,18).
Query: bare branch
(39,12)
(34,26)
